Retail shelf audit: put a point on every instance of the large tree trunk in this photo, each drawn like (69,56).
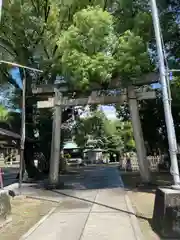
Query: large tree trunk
(45,135)
(31,170)
(29,166)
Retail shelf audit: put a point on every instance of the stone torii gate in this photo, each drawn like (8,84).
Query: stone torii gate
(58,102)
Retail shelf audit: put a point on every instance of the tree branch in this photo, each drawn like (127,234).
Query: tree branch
(6,49)
(46,15)
(34,5)
(46,51)
(105,5)
(55,49)
(46,11)
(7,44)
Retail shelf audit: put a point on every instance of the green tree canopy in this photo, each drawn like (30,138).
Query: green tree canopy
(4,114)
(101,132)
(92,51)
(86,47)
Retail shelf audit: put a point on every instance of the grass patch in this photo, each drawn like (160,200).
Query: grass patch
(25,213)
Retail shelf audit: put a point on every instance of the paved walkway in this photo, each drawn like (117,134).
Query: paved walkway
(94,208)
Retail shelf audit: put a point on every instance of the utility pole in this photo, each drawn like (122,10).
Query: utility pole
(167,108)
(23,130)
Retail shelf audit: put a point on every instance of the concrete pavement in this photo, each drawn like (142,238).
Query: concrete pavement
(95,207)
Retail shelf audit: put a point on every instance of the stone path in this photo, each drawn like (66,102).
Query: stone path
(94,207)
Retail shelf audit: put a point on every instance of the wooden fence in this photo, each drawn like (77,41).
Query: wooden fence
(132,163)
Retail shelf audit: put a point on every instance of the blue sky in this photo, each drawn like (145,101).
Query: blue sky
(16,76)
(110,111)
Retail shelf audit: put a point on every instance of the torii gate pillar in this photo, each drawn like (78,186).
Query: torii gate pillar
(55,143)
(138,136)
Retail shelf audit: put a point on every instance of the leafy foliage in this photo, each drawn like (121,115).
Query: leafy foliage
(93,52)
(10,120)
(89,128)
(152,114)
(131,56)
(99,132)
(86,47)
(75,40)
(4,114)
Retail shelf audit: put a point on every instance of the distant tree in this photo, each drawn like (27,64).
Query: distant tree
(101,132)
(5,116)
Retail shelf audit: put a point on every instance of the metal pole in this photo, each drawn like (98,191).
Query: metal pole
(23,131)
(167,108)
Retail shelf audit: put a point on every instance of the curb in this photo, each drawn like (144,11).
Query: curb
(43,219)
(42,198)
(134,222)
(11,186)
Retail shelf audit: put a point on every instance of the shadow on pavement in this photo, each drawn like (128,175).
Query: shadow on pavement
(91,178)
(132,181)
(96,177)
(100,204)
